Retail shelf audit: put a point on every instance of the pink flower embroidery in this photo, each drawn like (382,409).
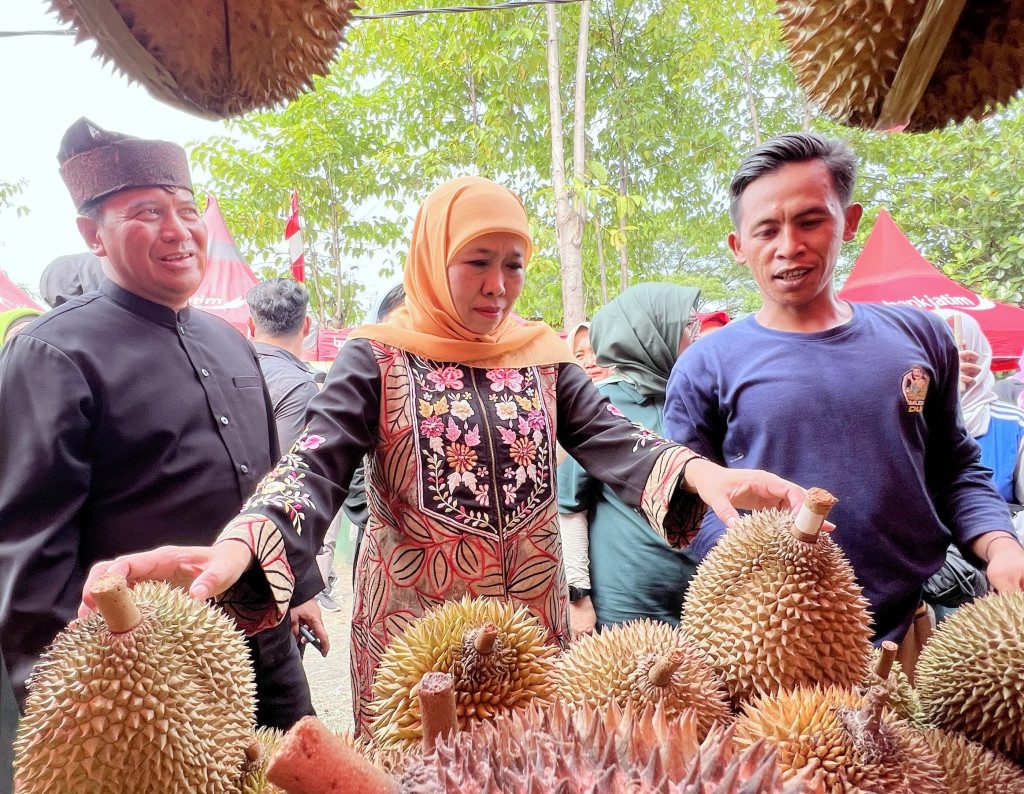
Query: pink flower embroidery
(461,458)
(535,420)
(523,451)
(432,427)
(613,410)
(501,379)
(510,494)
(446,378)
(311,442)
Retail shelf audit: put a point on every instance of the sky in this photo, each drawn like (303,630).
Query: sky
(49,82)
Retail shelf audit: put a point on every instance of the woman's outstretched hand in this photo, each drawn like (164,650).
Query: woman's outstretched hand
(206,571)
(726,491)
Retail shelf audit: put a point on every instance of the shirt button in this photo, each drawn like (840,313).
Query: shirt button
(181,328)
(223,420)
(206,372)
(244,469)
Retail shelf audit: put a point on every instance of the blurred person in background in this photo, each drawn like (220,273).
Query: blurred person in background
(578,338)
(617,567)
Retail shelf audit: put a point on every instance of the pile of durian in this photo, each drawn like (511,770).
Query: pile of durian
(769,684)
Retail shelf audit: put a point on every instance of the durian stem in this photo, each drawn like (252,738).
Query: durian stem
(312,760)
(920,59)
(884,666)
(661,671)
(437,708)
(875,701)
(484,642)
(115,602)
(807,524)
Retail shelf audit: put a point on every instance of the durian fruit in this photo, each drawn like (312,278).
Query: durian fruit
(255,779)
(641,662)
(775,605)
(886,671)
(846,55)
(555,749)
(495,650)
(214,58)
(154,692)
(969,674)
(973,769)
(858,748)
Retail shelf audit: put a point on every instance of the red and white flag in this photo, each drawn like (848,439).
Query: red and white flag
(293,234)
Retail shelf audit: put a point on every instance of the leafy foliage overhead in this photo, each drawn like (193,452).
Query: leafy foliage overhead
(677,92)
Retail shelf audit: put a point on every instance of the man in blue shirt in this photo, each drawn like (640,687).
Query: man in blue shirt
(858,399)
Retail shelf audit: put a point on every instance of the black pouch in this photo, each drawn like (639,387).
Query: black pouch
(956,583)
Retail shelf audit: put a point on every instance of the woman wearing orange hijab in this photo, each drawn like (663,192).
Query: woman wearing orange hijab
(457,403)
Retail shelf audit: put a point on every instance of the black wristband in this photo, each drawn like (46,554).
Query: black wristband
(576,593)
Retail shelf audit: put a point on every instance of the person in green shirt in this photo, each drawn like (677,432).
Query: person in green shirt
(617,567)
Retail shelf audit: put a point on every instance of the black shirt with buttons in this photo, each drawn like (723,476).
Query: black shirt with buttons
(125,426)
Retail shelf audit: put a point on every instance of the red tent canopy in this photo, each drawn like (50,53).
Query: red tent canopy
(14,297)
(228,277)
(329,342)
(890,270)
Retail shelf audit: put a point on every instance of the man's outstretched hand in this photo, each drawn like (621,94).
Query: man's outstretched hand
(206,571)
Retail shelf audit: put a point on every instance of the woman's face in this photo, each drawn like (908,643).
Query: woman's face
(485,278)
(690,333)
(583,352)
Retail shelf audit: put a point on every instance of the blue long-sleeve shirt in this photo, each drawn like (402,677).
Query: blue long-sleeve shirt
(867,410)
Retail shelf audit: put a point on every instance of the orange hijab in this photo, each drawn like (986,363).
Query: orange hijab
(428,325)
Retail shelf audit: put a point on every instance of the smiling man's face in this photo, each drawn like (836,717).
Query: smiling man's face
(154,240)
(791,227)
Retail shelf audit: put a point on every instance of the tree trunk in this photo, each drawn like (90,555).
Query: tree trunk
(755,122)
(568,223)
(623,250)
(601,268)
(315,274)
(621,247)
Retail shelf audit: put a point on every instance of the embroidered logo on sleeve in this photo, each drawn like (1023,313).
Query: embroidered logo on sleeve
(915,389)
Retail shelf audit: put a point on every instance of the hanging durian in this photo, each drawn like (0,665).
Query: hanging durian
(847,55)
(154,692)
(495,650)
(643,662)
(969,675)
(775,605)
(858,748)
(214,58)
(973,769)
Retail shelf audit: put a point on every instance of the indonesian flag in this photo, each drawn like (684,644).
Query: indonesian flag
(293,234)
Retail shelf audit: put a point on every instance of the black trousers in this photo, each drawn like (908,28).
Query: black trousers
(282,690)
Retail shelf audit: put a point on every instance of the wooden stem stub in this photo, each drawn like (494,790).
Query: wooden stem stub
(807,524)
(115,602)
(884,666)
(485,638)
(661,671)
(437,708)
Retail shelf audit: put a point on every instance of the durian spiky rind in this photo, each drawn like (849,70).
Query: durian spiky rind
(518,671)
(552,748)
(165,708)
(846,54)
(214,59)
(806,727)
(772,612)
(972,768)
(614,665)
(969,674)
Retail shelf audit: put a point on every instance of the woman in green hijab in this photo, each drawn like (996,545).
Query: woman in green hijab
(618,568)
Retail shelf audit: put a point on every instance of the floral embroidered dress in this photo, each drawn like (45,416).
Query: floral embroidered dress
(461,488)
